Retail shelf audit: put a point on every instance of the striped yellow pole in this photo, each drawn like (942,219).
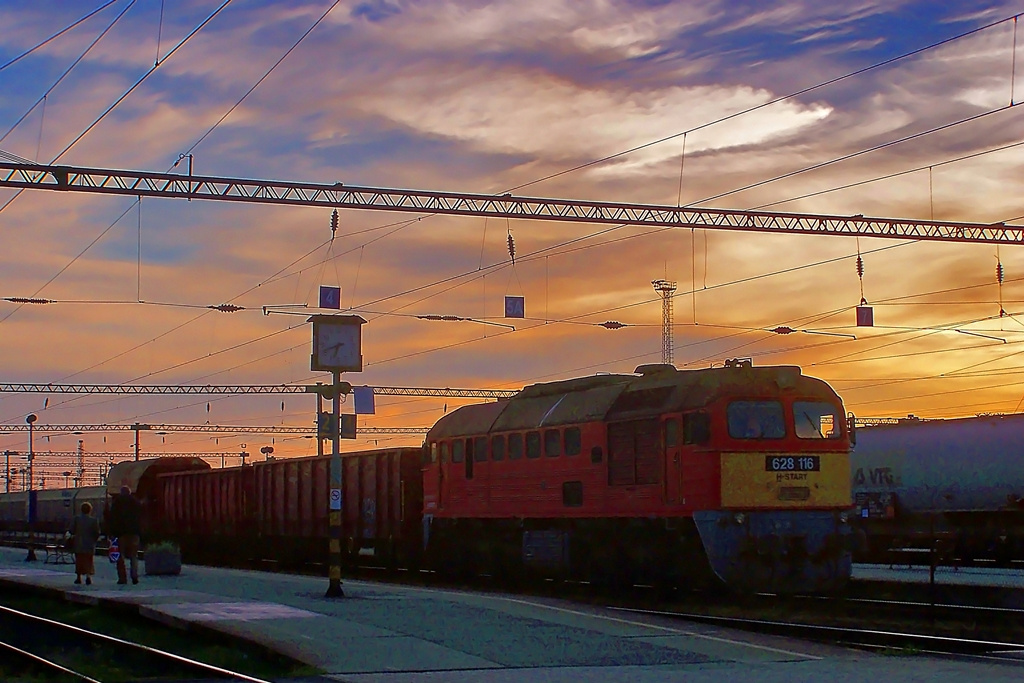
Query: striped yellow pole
(334,513)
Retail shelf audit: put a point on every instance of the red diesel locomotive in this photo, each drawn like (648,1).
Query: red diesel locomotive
(661,476)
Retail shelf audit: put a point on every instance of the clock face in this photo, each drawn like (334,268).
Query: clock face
(336,347)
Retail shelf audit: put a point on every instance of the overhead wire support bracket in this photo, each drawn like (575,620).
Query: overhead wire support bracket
(145,184)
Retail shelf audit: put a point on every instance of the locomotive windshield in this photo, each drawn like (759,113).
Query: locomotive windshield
(816,420)
(756,420)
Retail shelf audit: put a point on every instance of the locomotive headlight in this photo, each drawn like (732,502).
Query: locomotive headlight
(740,518)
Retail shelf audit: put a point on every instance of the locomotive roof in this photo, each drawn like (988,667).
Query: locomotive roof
(654,390)
(472,419)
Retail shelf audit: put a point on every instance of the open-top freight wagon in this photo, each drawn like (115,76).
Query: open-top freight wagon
(277,509)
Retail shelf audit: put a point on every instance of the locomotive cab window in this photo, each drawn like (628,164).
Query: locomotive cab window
(433,452)
(816,420)
(444,452)
(696,428)
(515,446)
(756,420)
(552,443)
(458,450)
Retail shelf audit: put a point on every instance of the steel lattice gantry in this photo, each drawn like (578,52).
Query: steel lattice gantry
(114,455)
(27,388)
(215,429)
(338,195)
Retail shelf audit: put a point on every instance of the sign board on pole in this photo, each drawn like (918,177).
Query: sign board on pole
(330,297)
(515,307)
(335,499)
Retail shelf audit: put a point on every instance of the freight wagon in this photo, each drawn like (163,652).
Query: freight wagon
(55,508)
(962,479)
(277,509)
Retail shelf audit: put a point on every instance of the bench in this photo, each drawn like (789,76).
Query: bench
(58,554)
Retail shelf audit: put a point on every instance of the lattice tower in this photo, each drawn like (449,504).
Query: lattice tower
(666,288)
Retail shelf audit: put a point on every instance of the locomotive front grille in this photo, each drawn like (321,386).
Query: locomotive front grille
(794,493)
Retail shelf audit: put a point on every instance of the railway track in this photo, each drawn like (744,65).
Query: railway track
(68,652)
(875,639)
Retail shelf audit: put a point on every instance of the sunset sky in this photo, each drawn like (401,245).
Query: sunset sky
(474,96)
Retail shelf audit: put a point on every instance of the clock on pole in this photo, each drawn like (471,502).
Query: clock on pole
(337,343)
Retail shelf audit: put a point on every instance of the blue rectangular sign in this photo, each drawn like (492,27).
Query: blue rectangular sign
(330,297)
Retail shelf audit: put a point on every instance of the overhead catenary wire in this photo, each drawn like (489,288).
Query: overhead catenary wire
(58,34)
(307,34)
(67,71)
(93,125)
(782,98)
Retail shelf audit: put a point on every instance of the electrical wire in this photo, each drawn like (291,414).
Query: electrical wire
(797,93)
(68,70)
(737,190)
(58,34)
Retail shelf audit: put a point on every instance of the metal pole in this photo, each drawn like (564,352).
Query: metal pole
(334,589)
(136,443)
(31,557)
(319,409)
(7,471)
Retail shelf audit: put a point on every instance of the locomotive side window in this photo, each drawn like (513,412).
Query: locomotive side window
(532,444)
(552,443)
(816,420)
(433,452)
(458,450)
(573,443)
(515,446)
(444,452)
(480,448)
(756,420)
(498,447)
(696,428)
(671,433)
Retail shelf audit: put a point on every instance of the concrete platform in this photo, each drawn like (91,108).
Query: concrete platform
(389,633)
(993,577)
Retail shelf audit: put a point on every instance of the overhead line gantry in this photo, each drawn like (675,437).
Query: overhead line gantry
(213,429)
(27,388)
(341,196)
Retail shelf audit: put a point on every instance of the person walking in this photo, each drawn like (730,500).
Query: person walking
(125,522)
(85,531)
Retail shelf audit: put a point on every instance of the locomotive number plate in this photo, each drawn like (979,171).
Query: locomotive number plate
(792,463)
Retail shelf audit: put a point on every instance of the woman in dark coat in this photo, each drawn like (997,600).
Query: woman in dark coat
(85,530)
